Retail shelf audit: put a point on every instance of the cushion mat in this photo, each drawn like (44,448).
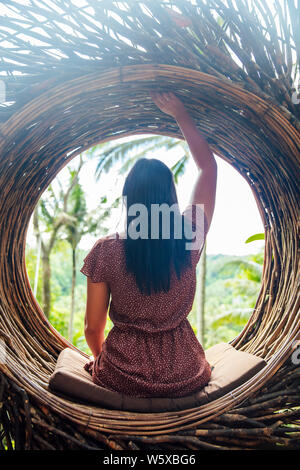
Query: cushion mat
(231,368)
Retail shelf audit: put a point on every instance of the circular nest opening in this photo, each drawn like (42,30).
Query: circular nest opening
(39,140)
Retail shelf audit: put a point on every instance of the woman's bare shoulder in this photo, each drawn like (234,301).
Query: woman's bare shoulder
(113,236)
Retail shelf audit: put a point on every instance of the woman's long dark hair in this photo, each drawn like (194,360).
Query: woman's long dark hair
(149,182)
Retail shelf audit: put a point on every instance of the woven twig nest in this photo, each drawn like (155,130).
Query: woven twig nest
(248,129)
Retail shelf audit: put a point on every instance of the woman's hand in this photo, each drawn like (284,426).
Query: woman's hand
(169,104)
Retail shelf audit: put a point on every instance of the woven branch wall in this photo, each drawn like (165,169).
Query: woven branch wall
(78,76)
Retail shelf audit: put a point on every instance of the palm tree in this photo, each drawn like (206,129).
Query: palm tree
(63,214)
(80,222)
(48,219)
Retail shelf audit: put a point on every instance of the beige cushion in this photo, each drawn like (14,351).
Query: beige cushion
(231,368)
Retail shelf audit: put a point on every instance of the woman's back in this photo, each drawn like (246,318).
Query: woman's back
(152,349)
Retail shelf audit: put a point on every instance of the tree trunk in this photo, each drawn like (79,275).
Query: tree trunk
(46,283)
(37,266)
(201,298)
(72,295)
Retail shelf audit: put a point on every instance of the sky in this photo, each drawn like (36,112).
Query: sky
(236,216)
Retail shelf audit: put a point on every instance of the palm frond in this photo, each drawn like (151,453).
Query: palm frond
(128,152)
(250,268)
(238,316)
(123,151)
(257,236)
(144,153)
(179,167)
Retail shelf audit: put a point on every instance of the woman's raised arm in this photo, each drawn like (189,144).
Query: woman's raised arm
(204,191)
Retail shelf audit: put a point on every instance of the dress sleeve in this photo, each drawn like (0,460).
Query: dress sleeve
(195,214)
(95,264)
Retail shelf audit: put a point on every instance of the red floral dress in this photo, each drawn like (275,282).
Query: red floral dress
(152,350)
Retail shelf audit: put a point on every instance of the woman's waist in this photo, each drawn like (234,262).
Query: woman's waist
(179,337)
(138,328)
(140,352)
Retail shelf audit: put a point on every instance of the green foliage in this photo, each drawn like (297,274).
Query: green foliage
(257,236)
(61,263)
(59,318)
(179,167)
(232,286)
(237,317)
(61,279)
(250,269)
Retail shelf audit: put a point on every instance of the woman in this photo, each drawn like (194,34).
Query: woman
(151,351)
